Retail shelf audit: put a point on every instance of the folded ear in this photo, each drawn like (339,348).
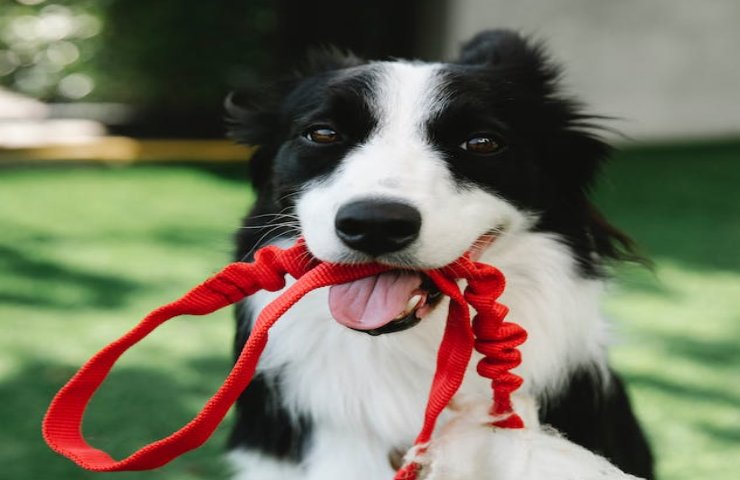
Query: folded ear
(328,58)
(253,112)
(253,115)
(253,124)
(499,47)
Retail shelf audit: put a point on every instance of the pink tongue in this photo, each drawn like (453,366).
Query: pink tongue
(372,302)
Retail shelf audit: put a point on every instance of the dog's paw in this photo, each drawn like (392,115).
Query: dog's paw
(469,448)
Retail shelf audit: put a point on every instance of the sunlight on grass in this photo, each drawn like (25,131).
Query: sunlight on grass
(679,350)
(90,252)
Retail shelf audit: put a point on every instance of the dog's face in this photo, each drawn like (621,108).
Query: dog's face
(405,170)
(414,164)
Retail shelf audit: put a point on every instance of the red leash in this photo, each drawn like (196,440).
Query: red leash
(488,333)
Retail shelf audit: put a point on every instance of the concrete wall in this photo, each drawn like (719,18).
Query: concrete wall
(669,68)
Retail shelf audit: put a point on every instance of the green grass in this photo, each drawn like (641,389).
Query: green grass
(679,328)
(85,253)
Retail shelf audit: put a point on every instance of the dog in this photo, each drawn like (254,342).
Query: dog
(413,164)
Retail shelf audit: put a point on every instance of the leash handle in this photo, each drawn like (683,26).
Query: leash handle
(62,423)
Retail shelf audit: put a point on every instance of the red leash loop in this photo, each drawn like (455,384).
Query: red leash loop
(62,426)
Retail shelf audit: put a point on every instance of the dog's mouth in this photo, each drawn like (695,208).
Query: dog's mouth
(391,301)
(388,302)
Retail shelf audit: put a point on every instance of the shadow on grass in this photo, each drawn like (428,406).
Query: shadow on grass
(100,290)
(232,172)
(190,237)
(644,279)
(727,434)
(228,171)
(680,203)
(135,406)
(718,356)
(688,391)
(721,355)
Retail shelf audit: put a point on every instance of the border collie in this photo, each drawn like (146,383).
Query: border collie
(412,164)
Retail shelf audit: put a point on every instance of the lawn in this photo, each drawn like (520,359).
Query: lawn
(86,252)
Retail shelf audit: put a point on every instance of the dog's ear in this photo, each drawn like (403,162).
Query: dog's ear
(252,120)
(253,112)
(251,115)
(327,58)
(502,48)
(493,47)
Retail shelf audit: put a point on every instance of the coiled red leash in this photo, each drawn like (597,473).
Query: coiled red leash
(62,426)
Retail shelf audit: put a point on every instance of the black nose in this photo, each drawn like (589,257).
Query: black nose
(377,226)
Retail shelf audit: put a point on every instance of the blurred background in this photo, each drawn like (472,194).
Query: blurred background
(118,192)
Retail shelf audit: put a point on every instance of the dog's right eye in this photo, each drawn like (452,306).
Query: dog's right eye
(482,144)
(322,135)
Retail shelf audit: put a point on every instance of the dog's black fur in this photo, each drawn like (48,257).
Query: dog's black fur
(557,158)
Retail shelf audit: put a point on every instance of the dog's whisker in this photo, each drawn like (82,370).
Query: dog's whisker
(289,196)
(282,213)
(260,241)
(291,223)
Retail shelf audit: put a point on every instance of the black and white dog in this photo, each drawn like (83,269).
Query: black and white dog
(412,164)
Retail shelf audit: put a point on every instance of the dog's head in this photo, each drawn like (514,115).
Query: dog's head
(413,164)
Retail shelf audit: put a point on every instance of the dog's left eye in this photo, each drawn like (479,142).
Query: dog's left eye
(482,144)
(322,135)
